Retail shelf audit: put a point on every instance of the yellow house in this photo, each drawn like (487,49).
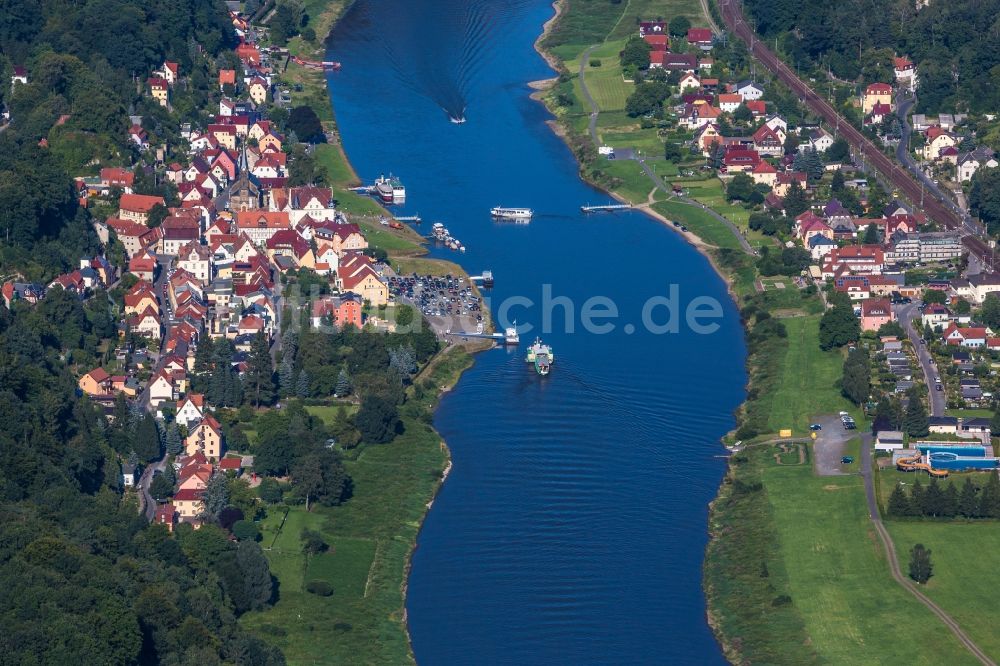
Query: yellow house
(159,88)
(937,140)
(95,382)
(206,438)
(876,93)
(189,503)
(365,283)
(269,141)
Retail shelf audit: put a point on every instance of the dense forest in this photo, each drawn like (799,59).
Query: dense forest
(87,62)
(85,578)
(954,44)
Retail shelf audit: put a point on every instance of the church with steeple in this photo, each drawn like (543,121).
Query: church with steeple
(245,192)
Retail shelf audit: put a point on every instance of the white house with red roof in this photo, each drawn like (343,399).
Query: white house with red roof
(857,259)
(190,410)
(136,207)
(966,337)
(906,73)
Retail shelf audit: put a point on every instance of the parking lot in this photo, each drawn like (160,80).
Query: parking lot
(448,302)
(831,445)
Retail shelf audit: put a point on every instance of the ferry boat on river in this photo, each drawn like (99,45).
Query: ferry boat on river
(541,356)
(390,190)
(516,214)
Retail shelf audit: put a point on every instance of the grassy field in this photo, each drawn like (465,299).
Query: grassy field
(328,413)
(965,579)
(838,578)
(406,265)
(371,538)
(808,379)
(700,222)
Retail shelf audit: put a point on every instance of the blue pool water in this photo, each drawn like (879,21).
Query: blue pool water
(965,451)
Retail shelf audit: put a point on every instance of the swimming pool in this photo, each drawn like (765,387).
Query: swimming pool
(964,451)
(949,460)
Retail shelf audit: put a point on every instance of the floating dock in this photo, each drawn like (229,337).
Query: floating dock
(605,208)
(413,219)
(486,278)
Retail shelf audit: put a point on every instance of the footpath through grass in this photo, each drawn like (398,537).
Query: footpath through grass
(371,538)
(965,576)
(800,577)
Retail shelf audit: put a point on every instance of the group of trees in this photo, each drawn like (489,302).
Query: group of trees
(647,99)
(957,67)
(838,325)
(856,381)
(946,500)
(789,261)
(293,442)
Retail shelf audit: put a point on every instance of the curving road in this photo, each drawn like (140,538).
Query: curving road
(935,209)
(903,105)
(894,569)
(657,181)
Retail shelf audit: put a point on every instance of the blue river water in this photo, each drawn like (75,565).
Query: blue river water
(572,528)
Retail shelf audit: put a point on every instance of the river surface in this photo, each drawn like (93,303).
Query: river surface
(573,526)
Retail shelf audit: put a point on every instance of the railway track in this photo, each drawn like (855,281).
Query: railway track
(901,179)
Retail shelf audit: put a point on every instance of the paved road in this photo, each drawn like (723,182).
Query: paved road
(907,314)
(147,505)
(903,105)
(893,560)
(870,154)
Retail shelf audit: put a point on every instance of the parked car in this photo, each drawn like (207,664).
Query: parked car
(847,460)
(816,426)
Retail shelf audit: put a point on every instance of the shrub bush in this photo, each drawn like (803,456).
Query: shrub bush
(319,587)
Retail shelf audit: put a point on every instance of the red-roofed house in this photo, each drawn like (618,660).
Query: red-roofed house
(875,313)
(876,93)
(205,438)
(906,73)
(764,174)
(700,37)
(340,311)
(769,142)
(118,177)
(757,107)
(260,225)
(159,89)
(740,160)
(166,514)
(227,77)
(143,266)
(357,275)
(136,207)
(96,382)
(189,503)
(858,259)
(657,42)
(966,337)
